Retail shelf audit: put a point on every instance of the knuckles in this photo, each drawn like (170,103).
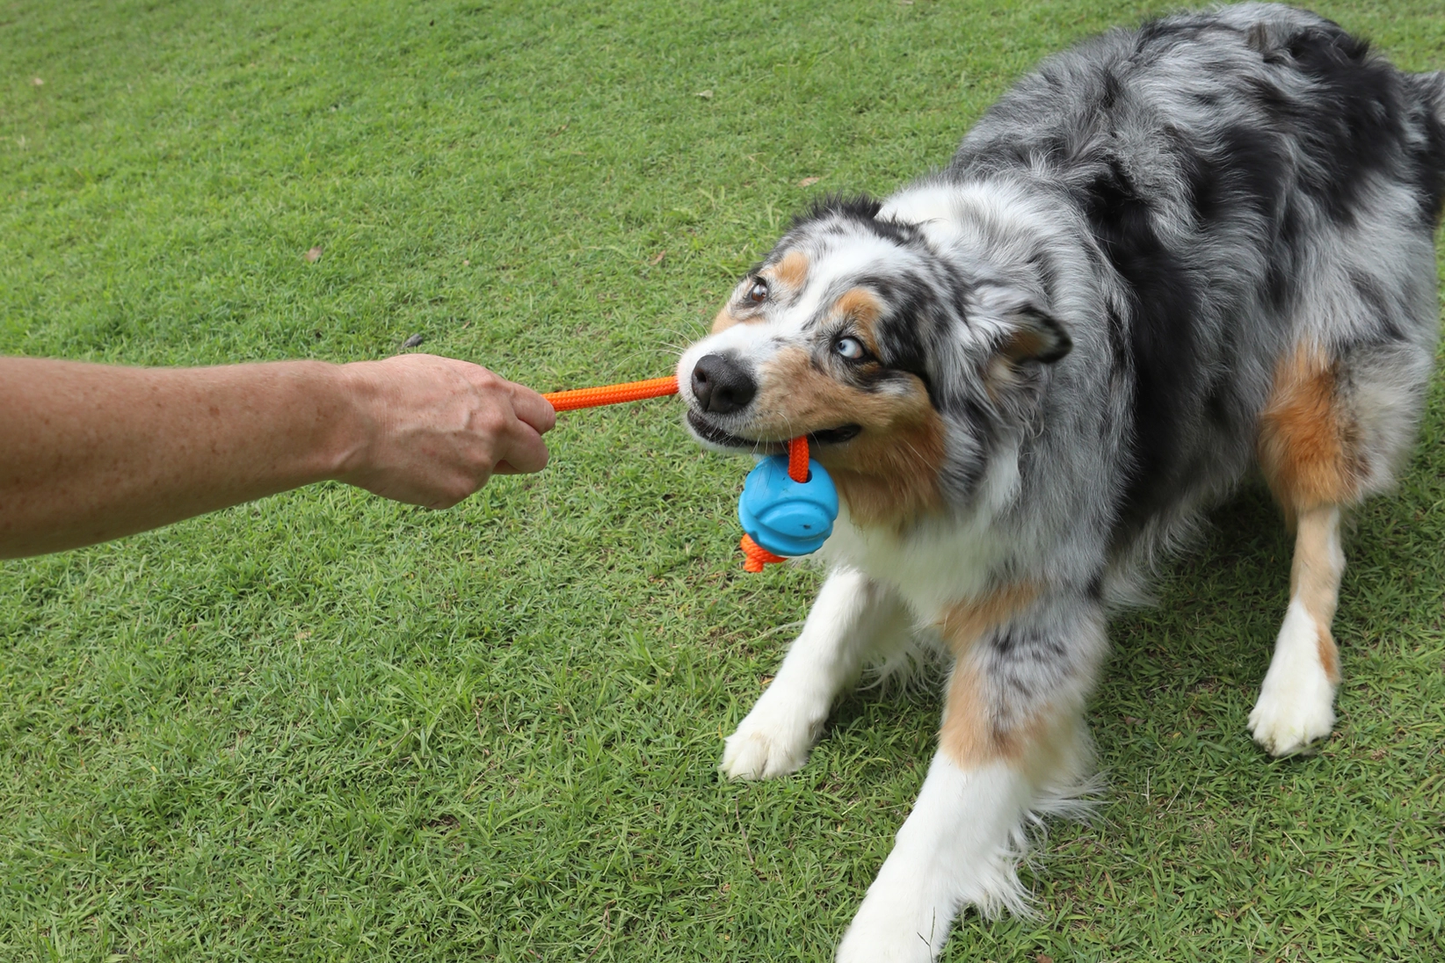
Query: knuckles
(491,422)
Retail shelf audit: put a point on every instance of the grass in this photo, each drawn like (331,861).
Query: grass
(328,727)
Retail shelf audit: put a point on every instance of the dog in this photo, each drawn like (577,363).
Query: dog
(1167,256)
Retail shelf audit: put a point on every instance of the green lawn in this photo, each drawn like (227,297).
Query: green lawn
(329,727)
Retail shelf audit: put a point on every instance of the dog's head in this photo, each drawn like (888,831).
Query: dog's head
(902,362)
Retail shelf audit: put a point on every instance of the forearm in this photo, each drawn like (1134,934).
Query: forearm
(89,452)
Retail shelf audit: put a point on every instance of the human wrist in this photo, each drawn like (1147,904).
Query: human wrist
(351,418)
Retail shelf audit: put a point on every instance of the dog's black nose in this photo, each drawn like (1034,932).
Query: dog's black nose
(721,385)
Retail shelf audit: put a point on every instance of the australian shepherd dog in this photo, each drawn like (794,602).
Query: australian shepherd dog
(1166,256)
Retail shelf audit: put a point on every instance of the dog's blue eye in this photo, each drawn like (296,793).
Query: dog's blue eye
(850,348)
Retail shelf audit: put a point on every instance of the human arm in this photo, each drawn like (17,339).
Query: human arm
(94,452)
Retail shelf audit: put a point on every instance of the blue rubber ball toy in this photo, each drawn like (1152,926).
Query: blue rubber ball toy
(786,517)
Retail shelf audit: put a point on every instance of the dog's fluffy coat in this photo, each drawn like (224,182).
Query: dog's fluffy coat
(1168,255)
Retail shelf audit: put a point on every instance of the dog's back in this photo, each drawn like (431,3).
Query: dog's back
(1261,186)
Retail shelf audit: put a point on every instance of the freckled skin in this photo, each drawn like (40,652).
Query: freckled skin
(94,452)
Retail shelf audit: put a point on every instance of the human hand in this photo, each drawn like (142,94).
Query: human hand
(431,431)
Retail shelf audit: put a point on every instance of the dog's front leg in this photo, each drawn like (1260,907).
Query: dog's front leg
(852,618)
(1012,743)
(955,847)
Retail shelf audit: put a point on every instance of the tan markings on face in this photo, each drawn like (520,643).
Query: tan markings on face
(1307,439)
(785,279)
(791,271)
(1314,579)
(890,478)
(888,474)
(963,623)
(862,309)
(725,319)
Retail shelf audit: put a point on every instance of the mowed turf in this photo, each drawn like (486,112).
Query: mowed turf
(328,727)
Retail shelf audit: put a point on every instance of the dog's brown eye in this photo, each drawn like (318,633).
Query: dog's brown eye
(758,293)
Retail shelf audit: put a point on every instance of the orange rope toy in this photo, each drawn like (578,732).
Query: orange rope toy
(756,555)
(612,394)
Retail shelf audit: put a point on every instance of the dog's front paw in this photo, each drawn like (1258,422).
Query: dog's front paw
(1296,702)
(772,741)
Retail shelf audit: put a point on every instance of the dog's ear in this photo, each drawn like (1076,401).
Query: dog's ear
(1022,340)
(1025,331)
(1034,336)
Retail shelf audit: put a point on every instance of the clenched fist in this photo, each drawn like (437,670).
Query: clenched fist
(435,429)
(92,452)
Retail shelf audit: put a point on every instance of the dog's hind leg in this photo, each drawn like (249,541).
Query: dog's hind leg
(1012,747)
(1340,416)
(852,619)
(1311,452)
(1296,701)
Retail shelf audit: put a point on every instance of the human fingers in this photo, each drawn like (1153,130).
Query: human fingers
(522,451)
(533,408)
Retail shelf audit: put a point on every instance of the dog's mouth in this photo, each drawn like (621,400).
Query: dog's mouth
(712,434)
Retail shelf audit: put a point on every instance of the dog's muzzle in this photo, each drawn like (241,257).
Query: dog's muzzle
(721,385)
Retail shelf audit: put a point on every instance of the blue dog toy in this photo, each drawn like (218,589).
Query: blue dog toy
(787,507)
